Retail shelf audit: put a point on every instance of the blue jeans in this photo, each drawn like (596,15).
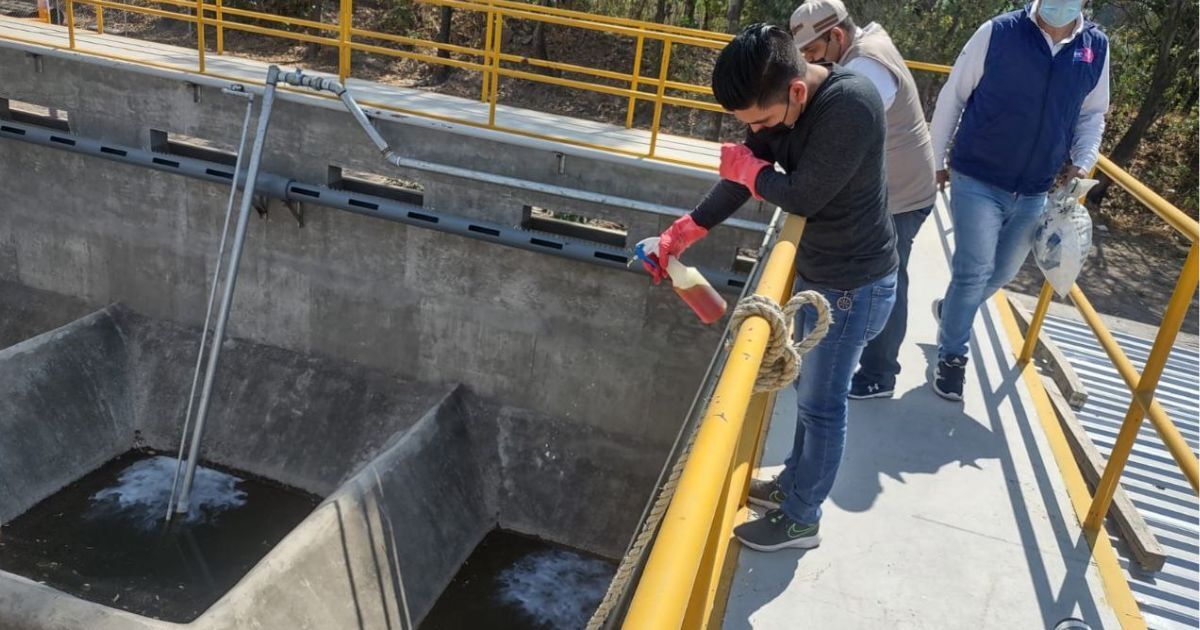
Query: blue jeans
(880,362)
(821,390)
(993,232)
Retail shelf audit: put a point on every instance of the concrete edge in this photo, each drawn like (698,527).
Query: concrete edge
(409,119)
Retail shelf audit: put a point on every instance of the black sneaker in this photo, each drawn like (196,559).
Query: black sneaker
(862,389)
(937,310)
(766,494)
(948,377)
(775,531)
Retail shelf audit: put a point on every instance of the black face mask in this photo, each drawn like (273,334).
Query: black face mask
(773,132)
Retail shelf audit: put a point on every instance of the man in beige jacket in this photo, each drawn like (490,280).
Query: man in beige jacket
(824,32)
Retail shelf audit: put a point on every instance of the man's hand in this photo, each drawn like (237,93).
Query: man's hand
(738,164)
(671,243)
(1067,173)
(943,178)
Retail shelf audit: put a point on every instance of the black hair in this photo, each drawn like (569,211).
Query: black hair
(756,68)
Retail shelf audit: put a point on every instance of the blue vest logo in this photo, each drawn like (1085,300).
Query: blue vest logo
(1085,55)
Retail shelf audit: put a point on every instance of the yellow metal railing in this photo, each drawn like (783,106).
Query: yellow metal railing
(680,584)
(488,58)
(683,573)
(1141,386)
(679,587)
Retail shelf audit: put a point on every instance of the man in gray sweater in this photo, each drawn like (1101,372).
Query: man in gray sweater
(825,127)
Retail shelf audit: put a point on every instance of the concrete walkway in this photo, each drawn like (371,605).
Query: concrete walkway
(626,143)
(944,515)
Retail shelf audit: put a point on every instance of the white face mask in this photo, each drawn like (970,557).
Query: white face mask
(1059,13)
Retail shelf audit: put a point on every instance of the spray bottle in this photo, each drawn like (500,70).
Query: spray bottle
(687,282)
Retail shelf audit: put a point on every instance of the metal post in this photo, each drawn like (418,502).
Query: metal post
(495,84)
(1035,324)
(658,100)
(235,258)
(99,19)
(236,90)
(485,87)
(345,15)
(200,32)
(633,85)
(71,23)
(220,28)
(1143,394)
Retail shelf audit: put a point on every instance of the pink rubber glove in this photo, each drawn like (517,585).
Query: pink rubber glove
(672,242)
(738,164)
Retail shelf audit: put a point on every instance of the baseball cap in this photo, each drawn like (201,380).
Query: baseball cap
(814,18)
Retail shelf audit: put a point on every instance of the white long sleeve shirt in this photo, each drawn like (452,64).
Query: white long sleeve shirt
(877,74)
(965,76)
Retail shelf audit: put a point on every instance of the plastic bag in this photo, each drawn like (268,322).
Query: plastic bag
(1064,238)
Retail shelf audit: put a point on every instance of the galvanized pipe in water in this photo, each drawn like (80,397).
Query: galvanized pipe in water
(235,258)
(235,90)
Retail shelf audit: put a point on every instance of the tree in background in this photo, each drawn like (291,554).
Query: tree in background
(1154,79)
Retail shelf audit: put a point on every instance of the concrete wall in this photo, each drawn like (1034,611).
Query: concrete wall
(64,409)
(306,421)
(416,474)
(26,312)
(580,343)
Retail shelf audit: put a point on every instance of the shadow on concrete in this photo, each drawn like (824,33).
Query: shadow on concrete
(919,434)
(783,568)
(1073,595)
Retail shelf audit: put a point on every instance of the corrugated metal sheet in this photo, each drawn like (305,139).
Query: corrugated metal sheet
(1170,599)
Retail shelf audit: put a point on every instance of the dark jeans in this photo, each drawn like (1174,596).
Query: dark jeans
(879,362)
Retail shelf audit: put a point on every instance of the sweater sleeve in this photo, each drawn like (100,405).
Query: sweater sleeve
(830,157)
(722,200)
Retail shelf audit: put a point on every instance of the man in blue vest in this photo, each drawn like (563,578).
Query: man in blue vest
(1031,87)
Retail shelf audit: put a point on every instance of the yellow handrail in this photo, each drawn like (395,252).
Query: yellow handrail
(665,590)
(492,62)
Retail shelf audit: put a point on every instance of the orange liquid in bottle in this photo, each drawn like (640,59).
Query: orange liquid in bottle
(704,300)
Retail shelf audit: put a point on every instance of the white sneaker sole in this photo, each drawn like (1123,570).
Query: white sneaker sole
(808,542)
(888,394)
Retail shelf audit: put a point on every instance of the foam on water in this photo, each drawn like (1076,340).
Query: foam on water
(558,588)
(144,489)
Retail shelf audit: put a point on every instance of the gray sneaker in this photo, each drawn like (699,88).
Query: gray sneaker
(766,494)
(775,531)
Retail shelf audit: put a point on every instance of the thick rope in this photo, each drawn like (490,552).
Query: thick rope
(781,360)
(781,365)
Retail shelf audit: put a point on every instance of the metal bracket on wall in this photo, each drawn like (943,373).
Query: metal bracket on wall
(262,204)
(37,62)
(297,210)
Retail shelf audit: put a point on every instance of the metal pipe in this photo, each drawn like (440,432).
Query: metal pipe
(233,90)
(1175,442)
(1035,324)
(235,258)
(278,187)
(712,374)
(1177,308)
(665,587)
(300,79)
